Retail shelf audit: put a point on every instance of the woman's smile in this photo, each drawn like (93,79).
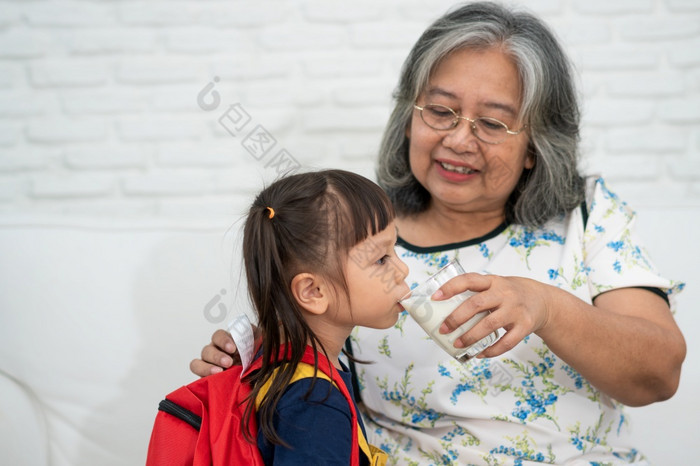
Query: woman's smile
(455,171)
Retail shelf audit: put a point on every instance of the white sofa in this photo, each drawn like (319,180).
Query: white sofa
(99,320)
(98,323)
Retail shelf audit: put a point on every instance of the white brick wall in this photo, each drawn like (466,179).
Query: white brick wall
(98,100)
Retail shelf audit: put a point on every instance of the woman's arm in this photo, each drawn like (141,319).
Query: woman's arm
(626,344)
(635,351)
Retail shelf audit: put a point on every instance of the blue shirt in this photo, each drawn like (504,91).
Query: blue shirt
(318,427)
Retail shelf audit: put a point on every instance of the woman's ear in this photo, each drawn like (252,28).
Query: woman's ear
(311,292)
(530,157)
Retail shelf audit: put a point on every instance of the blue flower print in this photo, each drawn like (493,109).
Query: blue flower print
(577,442)
(477,381)
(615,245)
(429,414)
(433,259)
(484,250)
(622,422)
(536,403)
(457,431)
(443,371)
(584,442)
(518,454)
(459,389)
(414,410)
(607,193)
(633,455)
(617,266)
(525,240)
(575,376)
(552,237)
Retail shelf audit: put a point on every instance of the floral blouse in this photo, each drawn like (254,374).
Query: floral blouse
(526,406)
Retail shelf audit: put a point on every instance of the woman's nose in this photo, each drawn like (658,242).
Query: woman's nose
(461,137)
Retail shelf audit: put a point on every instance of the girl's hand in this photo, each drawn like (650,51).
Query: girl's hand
(520,306)
(218,355)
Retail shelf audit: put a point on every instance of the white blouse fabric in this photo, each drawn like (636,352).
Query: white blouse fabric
(526,406)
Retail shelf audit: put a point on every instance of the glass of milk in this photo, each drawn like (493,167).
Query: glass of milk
(431,314)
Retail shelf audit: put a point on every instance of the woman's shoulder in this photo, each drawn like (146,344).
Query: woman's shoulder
(596,183)
(602,201)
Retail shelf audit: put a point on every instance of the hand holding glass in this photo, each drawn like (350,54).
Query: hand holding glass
(431,314)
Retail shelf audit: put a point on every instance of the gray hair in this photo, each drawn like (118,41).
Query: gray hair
(549,106)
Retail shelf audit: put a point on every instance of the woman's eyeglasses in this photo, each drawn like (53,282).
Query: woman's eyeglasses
(488,130)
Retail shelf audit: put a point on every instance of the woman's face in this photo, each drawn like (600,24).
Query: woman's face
(460,171)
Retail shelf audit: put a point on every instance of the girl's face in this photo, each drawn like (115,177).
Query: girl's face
(460,171)
(375,277)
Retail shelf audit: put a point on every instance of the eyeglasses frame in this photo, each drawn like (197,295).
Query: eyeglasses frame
(472,123)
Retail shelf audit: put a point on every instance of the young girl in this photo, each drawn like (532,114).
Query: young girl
(319,259)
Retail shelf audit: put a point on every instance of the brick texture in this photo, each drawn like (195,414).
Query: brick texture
(148,107)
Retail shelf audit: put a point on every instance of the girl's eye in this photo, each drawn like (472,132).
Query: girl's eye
(383,260)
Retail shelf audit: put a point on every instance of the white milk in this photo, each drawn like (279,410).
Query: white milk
(431,314)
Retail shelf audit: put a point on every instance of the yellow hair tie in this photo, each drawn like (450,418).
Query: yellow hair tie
(272,212)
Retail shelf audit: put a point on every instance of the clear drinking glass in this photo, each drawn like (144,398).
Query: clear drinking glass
(431,314)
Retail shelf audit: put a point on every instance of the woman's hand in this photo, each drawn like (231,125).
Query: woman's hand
(626,343)
(218,355)
(518,305)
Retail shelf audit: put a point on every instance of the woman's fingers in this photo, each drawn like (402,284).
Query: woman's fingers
(479,302)
(222,340)
(213,355)
(466,282)
(505,343)
(517,305)
(488,324)
(203,369)
(218,355)
(213,360)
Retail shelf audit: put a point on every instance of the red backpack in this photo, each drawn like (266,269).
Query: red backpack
(200,424)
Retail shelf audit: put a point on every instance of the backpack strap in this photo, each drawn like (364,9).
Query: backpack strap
(327,371)
(184,414)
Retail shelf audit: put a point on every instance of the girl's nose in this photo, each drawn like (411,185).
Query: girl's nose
(403,269)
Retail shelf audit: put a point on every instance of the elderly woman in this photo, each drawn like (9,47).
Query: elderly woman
(480,159)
